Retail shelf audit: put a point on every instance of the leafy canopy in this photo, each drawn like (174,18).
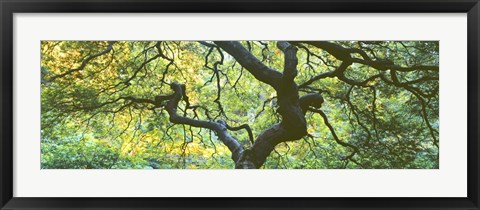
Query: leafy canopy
(110,104)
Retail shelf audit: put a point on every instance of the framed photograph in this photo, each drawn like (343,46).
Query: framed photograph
(160,104)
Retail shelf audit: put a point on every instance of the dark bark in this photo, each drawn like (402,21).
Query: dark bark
(259,70)
(219,127)
(293,125)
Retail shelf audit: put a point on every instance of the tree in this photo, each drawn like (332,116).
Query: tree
(270,104)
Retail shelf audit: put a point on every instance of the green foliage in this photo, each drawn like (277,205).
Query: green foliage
(87,122)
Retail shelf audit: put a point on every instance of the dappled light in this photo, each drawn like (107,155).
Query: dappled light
(239,104)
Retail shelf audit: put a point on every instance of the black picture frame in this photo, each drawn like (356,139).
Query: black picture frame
(9,7)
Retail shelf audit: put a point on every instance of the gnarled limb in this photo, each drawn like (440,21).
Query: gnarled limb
(219,127)
(278,133)
(251,63)
(293,125)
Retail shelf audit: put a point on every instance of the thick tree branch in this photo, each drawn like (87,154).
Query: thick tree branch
(244,126)
(344,54)
(336,50)
(311,100)
(385,65)
(338,71)
(278,133)
(290,62)
(251,63)
(293,125)
(363,83)
(219,127)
